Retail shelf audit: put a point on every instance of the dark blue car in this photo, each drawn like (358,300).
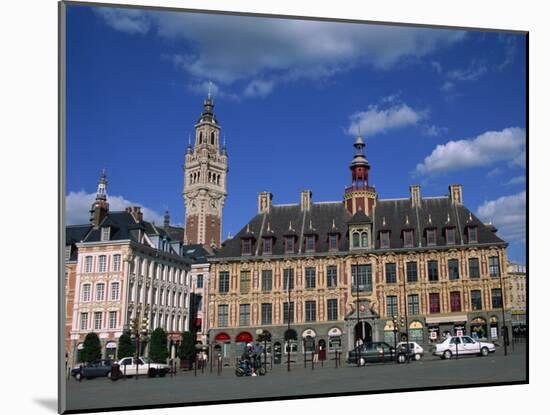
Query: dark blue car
(100,368)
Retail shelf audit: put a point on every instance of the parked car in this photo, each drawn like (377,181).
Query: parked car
(375,352)
(454,345)
(130,366)
(415,350)
(91,370)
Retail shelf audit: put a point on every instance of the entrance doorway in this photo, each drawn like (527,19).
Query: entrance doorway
(363,331)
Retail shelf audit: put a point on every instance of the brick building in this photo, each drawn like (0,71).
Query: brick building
(343,271)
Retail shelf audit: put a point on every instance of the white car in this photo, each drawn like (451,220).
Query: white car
(454,345)
(143,366)
(415,350)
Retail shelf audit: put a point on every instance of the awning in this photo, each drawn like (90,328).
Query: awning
(456,318)
(244,337)
(110,345)
(335,331)
(222,337)
(309,332)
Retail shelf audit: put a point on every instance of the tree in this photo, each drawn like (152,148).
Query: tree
(92,348)
(158,347)
(126,347)
(187,348)
(264,336)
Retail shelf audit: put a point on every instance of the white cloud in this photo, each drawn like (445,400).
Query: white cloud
(475,71)
(515,180)
(483,150)
(508,214)
(125,20)
(434,130)
(258,88)
(448,86)
(495,172)
(437,66)
(77,205)
(376,120)
(229,49)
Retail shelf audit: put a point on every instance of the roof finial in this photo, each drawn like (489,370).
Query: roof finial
(268,227)
(448,217)
(333,224)
(470,219)
(430,218)
(248,228)
(310,224)
(290,225)
(383,221)
(407,220)
(209,89)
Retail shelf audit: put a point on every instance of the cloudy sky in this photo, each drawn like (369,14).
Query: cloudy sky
(434,106)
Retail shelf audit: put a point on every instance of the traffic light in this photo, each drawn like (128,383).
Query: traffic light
(402,322)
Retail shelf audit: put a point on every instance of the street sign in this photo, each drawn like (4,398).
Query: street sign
(433,335)
(494,334)
(459,333)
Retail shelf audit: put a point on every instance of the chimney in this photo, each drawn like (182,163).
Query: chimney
(305,199)
(455,193)
(415,195)
(136,213)
(264,201)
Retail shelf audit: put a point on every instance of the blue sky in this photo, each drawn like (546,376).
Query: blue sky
(434,106)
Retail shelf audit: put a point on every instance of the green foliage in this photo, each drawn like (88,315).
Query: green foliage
(126,346)
(92,348)
(158,347)
(187,348)
(264,336)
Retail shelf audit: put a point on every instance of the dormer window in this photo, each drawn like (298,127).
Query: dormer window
(310,243)
(430,237)
(360,239)
(105,233)
(289,244)
(408,238)
(333,242)
(267,246)
(67,252)
(246,246)
(450,236)
(472,234)
(384,239)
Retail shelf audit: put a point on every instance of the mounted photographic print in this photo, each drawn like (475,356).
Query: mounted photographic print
(266,207)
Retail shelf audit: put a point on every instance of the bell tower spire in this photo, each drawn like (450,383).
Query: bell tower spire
(360,196)
(100,207)
(205,172)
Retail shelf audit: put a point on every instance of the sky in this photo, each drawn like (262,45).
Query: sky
(434,106)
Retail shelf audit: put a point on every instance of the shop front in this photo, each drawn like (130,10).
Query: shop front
(440,327)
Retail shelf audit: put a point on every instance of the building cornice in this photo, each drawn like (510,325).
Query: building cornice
(354,252)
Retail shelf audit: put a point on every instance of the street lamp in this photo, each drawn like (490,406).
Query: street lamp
(289,348)
(504,328)
(357,306)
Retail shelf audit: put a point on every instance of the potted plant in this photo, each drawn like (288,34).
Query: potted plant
(187,350)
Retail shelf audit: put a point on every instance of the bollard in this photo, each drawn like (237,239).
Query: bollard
(456,344)
(125,371)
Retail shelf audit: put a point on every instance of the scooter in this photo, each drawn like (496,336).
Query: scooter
(244,368)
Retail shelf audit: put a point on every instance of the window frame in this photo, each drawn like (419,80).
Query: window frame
(452,275)
(470,268)
(412,277)
(408,238)
(223,282)
(332,309)
(310,278)
(434,302)
(455,301)
(394,273)
(310,311)
(392,307)
(413,307)
(332,276)
(385,239)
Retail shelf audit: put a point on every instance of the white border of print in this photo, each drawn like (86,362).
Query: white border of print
(29,211)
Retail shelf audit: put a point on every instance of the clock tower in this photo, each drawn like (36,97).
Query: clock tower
(205,181)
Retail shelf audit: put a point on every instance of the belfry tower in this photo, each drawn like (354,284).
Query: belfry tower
(360,196)
(205,185)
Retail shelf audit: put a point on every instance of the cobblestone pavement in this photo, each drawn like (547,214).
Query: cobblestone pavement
(185,387)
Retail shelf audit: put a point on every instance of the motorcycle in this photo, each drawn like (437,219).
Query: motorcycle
(244,368)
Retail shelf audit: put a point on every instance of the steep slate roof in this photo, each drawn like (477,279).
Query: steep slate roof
(73,235)
(175,233)
(394,212)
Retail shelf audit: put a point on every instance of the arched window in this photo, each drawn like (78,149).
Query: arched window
(212,138)
(200,137)
(356,239)
(364,240)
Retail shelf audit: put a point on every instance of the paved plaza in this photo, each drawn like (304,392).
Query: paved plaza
(185,387)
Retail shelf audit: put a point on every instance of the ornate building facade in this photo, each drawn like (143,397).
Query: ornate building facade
(517,301)
(205,181)
(322,275)
(121,267)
